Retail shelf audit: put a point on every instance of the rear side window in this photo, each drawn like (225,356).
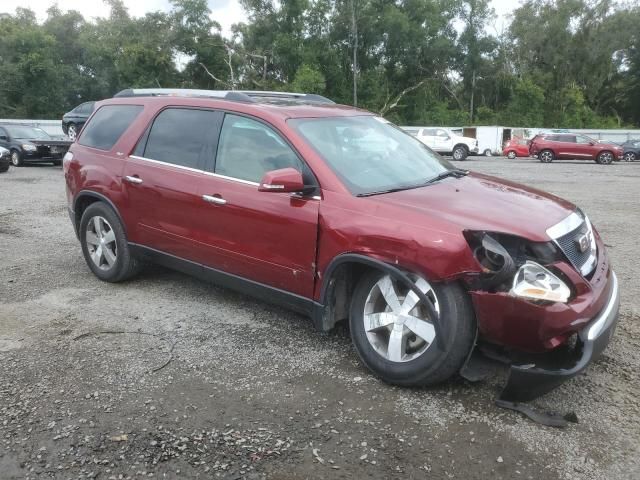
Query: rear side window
(107,125)
(182,136)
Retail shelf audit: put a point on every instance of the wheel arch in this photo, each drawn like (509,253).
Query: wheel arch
(338,282)
(88,197)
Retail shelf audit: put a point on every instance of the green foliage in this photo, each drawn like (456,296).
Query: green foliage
(566,63)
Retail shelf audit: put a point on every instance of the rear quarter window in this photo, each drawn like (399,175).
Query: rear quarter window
(107,125)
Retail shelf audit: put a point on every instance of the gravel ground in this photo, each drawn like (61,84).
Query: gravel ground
(209,383)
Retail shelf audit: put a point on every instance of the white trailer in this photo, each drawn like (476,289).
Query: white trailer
(491,139)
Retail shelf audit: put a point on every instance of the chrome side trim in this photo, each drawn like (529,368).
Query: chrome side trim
(609,311)
(239,180)
(565,226)
(159,162)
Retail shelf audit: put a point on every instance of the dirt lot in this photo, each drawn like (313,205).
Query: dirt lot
(253,391)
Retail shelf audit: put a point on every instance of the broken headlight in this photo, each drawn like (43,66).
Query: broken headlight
(514,264)
(534,282)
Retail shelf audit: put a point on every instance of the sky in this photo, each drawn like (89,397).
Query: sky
(225,12)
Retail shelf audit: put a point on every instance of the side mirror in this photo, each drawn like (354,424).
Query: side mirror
(592,143)
(283,180)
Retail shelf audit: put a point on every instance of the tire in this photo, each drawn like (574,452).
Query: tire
(605,158)
(546,156)
(72,132)
(511,154)
(16,158)
(4,168)
(116,265)
(460,152)
(420,361)
(488,153)
(629,157)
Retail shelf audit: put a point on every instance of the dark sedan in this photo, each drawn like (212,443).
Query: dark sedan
(73,121)
(631,151)
(31,144)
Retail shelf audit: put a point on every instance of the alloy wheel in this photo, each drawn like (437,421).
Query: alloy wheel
(101,243)
(606,158)
(629,157)
(72,133)
(396,324)
(511,155)
(546,156)
(15,159)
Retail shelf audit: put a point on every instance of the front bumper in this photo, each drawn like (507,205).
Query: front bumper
(532,380)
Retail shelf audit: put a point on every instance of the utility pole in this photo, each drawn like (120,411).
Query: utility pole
(354,32)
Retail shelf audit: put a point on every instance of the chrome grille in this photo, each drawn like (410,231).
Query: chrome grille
(569,235)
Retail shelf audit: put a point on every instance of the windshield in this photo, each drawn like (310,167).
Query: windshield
(369,154)
(30,133)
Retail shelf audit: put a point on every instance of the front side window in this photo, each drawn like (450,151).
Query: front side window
(442,133)
(248,149)
(182,137)
(369,154)
(107,126)
(584,140)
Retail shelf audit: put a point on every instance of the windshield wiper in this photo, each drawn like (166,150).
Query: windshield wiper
(456,173)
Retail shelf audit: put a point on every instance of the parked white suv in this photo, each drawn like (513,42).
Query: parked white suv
(444,141)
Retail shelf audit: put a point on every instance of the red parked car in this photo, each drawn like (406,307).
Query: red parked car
(572,146)
(516,147)
(337,214)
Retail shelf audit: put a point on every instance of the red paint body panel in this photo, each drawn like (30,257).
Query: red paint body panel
(288,243)
(516,145)
(564,150)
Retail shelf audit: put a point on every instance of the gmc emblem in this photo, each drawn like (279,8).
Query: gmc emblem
(583,242)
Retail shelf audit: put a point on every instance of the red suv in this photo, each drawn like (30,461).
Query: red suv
(572,146)
(336,213)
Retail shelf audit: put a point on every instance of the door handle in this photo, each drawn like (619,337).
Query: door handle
(215,200)
(134,180)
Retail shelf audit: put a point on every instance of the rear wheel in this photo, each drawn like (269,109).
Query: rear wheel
(629,157)
(511,155)
(460,152)
(395,337)
(487,152)
(546,156)
(605,158)
(104,244)
(16,158)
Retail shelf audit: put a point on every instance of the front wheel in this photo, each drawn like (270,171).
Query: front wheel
(629,157)
(605,158)
(488,153)
(459,152)
(104,244)
(511,155)
(16,158)
(72,132)
(395,337)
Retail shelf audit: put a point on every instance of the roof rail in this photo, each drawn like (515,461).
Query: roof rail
(247,96)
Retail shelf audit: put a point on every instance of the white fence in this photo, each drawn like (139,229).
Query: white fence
(52,127)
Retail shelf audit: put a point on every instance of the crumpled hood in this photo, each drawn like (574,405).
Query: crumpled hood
(482,202)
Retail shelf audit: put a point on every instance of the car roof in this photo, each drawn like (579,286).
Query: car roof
(271,105)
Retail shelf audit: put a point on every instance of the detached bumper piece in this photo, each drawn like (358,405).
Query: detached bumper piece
(530,381)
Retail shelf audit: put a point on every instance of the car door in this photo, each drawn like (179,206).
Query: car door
(586,148)
(269,237)
(163,177)
(565,146)
(4,138)
(427,136)
(442,141)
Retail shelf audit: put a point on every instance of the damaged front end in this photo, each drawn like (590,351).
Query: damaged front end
(533,302)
